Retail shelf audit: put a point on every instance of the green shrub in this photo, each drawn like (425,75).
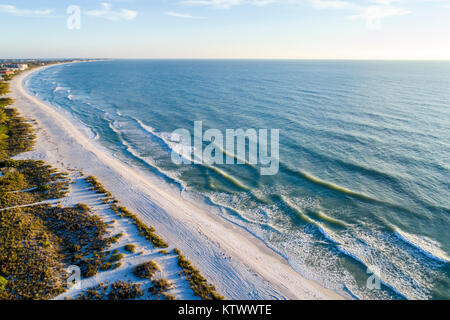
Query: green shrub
(116,257)
(116,265)
(91,270)
(146,270)
(197,282)
(147,232)
(130,248)
(106,266)
(83,207)
(4,88)
(44,188)
(6,102)
(168,296)
(162,285)
(95,293)
(115,238)
(122,290)
(97,186)
(3,283)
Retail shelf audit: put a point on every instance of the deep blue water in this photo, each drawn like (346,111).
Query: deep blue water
(364,179)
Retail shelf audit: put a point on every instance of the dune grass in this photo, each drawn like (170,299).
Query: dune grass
(39,241)
(28,181)
(146,270)
(130,248)
(119,290)
(197,282)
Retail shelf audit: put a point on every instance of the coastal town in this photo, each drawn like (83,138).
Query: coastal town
(10,67)
(7,69)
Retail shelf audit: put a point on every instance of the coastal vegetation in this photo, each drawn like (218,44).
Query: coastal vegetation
(4,88)
(30,257)
(5,102)
(122,290)
(8,77)
(26,182)
(39,238)
(16,135)
(119,290)
(146,270)
(130,248)
(38,241)
(160,287)
(198,283)
(97,186)
(144,230)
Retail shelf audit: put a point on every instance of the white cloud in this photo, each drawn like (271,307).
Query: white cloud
(107,13)
(182,15)
(372,11)
(213,3)
(374,14)
(332,4)
(228,3)
(320,4)
(5,8)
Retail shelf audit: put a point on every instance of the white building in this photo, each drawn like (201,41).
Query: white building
(18,67)
(21,67)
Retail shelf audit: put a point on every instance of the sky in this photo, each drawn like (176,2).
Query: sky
(226,29)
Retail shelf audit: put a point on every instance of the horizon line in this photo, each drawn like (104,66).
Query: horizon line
(194,58)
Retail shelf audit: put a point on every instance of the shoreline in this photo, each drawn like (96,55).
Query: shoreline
(237,263)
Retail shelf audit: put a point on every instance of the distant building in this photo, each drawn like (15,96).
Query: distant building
(10,68)
(20,66)
(6,72)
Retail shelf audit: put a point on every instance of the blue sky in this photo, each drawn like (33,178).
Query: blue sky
(292,29)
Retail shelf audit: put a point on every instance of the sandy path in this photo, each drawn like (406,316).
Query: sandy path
(237,263)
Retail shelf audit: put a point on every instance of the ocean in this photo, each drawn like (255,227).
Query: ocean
(361,201)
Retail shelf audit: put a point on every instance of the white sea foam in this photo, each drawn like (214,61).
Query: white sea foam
(172,141)
(426,245)
(59,89)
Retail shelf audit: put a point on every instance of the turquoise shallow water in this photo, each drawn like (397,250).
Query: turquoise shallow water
(364,179)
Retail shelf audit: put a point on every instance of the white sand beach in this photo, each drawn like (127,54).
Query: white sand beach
(237,263)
